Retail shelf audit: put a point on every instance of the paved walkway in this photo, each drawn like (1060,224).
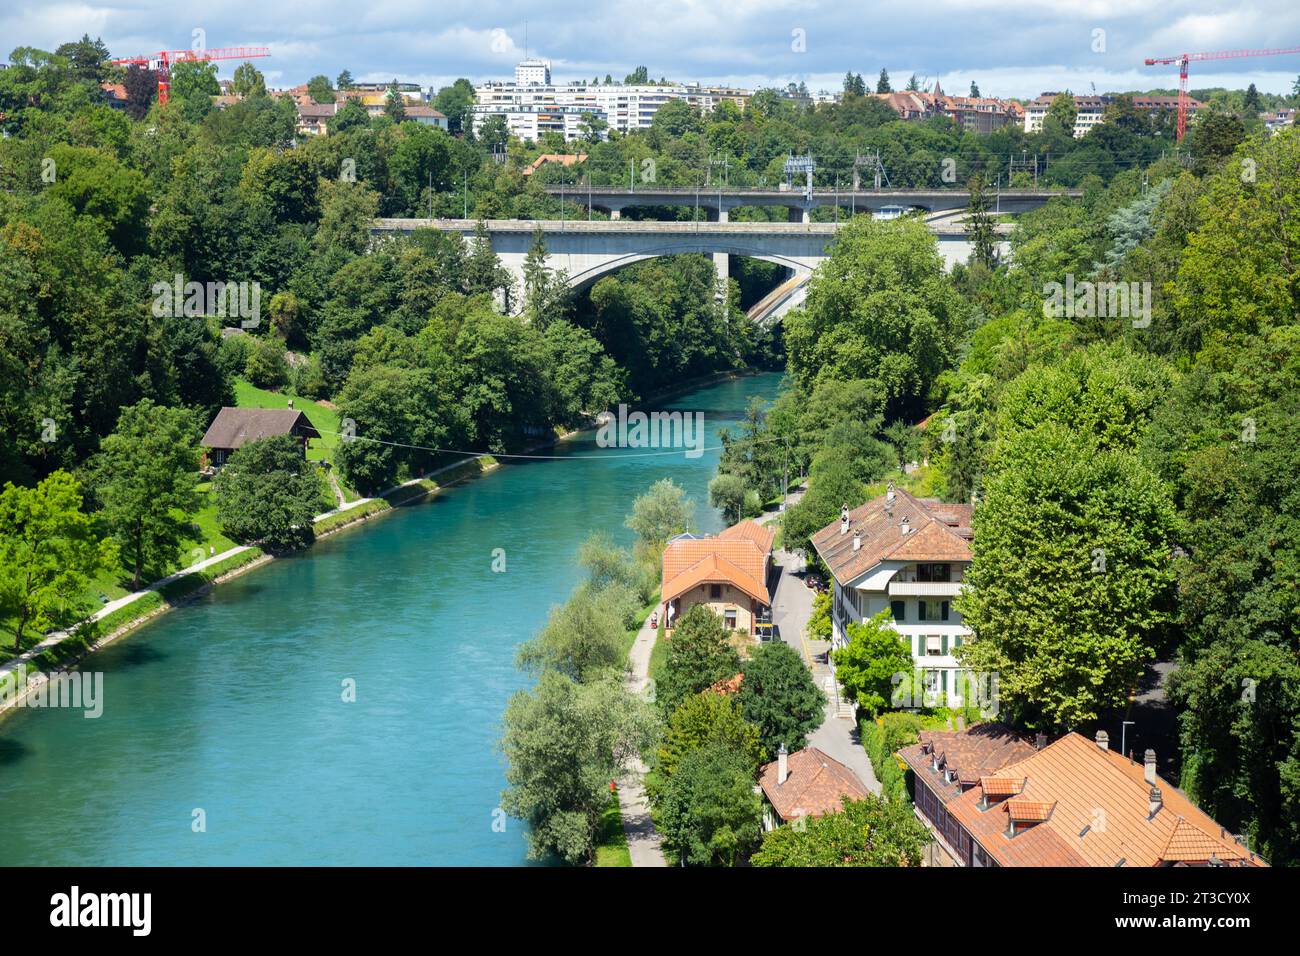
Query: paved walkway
(643,840)
(838,735)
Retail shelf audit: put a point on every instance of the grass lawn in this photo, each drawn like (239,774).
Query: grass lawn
(611,842)
(326,420)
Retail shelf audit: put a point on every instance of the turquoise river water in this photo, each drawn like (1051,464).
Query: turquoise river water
(233,704)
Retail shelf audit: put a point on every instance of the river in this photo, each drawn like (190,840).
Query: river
(233,705)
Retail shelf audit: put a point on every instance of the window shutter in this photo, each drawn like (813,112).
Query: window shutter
(900,610)
(945,610)
(943,646)
(920,605)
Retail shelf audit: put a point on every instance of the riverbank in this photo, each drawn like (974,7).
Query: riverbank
(58,653)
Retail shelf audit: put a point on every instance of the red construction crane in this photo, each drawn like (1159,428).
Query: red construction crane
(162,62)
(1183,59)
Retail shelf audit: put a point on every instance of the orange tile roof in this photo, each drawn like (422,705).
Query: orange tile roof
(728,685)
(816,785)
(937,532)
(976,752)
(737,556)
(1100,814)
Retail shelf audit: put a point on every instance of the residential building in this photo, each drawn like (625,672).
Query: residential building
(1074,802)
(114,95)
(1091,110)
(624,107)
(975,113)
(907,556)
(806,783)
(533,72)
(235,427)
(1277,120)
(729,573)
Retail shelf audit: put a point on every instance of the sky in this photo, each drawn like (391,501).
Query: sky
(1009,47)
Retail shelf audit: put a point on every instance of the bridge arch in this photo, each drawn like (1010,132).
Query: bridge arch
(587,276)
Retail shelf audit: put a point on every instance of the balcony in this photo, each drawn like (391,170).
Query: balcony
(924,588)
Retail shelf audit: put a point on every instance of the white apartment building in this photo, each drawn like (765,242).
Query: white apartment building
(533,72)
(624,108)
(908,556)
(1091,110)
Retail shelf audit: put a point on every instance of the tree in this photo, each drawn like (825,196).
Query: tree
(146,471)
(870,832)
(1214,137)
(778,694)
(582,638)
(563,743)
(866,666)
(882,84)
(344,81)
(913,84)
(853,85)
(88,59)
(395,104)
(193,84)
(1063,113)
(974,90)
(727,493)
(702,719)
(350,116)
(267,492)
(663,511)
(830,488)
(141,89)
(881,303)
(48,554)
(708,812)
(456,103)
(1071,585)
(268,366)
(248,81)
(979,225)
(699,655)
(638,77)
(318,88)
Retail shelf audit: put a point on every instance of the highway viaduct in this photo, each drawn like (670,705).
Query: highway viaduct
(586,250)
(719,203)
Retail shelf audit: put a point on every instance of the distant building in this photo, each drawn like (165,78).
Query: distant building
(114,95)
(995,801)
(235,427)
(1091,110)
(563,159)
(806,783)
(728,573)
(533,72)
(1277,120)
(907,556)
(533,105)
(977,114)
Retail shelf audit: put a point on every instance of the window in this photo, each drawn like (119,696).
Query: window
(729,618)
(933,572)
(715,591)
(933,645)
(900,610)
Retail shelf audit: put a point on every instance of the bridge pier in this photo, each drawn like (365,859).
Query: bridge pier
(722,265)
(615,215)
(799,214)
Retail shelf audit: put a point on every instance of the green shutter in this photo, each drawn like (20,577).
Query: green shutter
(943,645)
(945,610)
(920,607)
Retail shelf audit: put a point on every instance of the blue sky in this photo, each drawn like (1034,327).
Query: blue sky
(1010,47)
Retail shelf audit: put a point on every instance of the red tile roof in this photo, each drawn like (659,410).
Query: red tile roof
(816,785)
(936,532)
(737,556)
(1099,814)
(979,751)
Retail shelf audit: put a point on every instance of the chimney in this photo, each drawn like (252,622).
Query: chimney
(291,403)
(903,527)
(782,765)
(889,494)
(1040,741)
(1156,801)
(1103,740)
(857,539)
(1149,771)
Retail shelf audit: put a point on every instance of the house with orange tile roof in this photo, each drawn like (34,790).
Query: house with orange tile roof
(1074,802)
(728,572)
(908,556)
(806,783)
